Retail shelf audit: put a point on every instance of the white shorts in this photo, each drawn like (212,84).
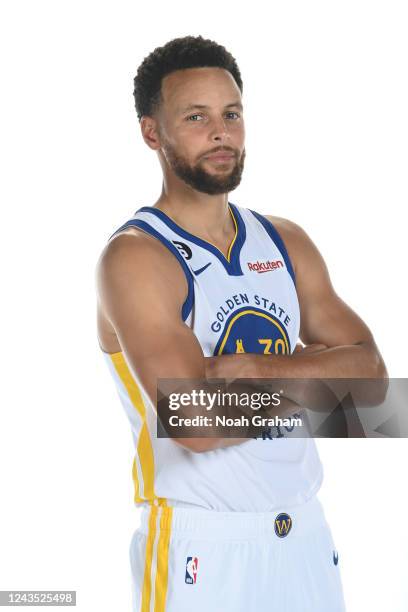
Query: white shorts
(186,560)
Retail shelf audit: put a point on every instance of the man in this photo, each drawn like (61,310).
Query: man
(226,524)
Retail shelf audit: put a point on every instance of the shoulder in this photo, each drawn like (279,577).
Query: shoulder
(134,259)
(296,240)
(303,253)
(289,231)
(136,249)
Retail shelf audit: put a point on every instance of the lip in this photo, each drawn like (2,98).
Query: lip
(220,156)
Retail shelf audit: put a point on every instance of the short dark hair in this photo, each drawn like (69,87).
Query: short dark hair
(177,54)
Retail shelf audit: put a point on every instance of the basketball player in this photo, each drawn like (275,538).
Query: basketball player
(194,287)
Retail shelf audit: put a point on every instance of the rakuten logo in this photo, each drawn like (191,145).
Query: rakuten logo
(265,266)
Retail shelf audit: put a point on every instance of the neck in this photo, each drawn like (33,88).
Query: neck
(200,214)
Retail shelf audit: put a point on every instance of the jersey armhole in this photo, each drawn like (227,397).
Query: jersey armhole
(189,301)
(277,239)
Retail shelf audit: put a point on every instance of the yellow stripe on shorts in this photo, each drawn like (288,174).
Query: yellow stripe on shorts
(162,572)
(165,515)
(147,577)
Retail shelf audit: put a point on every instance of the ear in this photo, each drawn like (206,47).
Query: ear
(150,132)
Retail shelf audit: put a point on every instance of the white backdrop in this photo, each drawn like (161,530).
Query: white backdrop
(325,95)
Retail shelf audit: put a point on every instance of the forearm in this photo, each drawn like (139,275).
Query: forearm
(343,365)
(352,361)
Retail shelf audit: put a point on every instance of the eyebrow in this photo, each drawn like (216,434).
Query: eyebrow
(191,107)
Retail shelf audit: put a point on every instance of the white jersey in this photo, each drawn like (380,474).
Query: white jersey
(245,302)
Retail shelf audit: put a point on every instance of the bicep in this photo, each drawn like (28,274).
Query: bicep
(143,303)
(330,321)
(325,318)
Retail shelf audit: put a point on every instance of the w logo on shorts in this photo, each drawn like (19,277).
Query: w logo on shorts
(283,524)
(191,570)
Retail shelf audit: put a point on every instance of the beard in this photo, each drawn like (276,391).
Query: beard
(199,179)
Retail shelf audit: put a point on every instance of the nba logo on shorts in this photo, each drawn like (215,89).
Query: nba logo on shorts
(191,570)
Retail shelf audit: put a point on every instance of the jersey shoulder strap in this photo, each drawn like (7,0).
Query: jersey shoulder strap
(149,229)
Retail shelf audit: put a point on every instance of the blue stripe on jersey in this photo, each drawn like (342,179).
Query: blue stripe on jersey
(276,238)
(233,266)
(189,301)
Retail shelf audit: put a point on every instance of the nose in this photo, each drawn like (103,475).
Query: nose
(219,132)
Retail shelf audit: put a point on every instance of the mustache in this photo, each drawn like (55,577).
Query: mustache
(219,149)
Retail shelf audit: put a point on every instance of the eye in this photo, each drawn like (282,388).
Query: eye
(194,117)
(236,115)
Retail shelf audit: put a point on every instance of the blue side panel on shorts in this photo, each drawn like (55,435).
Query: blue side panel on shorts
(189,301)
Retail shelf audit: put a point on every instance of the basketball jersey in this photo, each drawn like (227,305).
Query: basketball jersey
(245,302)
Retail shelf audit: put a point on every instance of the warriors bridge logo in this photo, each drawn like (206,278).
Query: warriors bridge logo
(252,330)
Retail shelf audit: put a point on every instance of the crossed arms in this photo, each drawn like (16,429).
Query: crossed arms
(141,289)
